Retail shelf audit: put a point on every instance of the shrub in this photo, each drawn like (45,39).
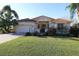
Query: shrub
(28,34)
(35,33)
(74,31)
(52,32)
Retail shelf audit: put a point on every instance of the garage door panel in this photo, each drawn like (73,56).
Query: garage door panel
(25,29)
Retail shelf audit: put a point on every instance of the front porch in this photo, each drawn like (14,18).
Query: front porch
(56,29)
(42,26)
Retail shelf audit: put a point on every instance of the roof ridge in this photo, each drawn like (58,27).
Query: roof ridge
(43,16)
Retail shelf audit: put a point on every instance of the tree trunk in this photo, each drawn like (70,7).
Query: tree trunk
(7,29)
(77,10)
(78,20)
(3,31)
(78,13)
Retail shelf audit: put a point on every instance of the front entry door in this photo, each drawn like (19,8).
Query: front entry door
(42,30)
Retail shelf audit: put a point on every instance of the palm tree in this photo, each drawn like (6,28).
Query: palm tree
(8,18)
(74,8)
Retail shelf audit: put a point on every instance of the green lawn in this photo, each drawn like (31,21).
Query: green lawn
(41,46)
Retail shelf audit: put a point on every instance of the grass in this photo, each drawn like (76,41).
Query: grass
(41,46)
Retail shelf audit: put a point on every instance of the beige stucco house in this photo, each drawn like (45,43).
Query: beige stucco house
(42,22)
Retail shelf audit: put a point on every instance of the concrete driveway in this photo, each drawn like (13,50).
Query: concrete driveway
(7,37)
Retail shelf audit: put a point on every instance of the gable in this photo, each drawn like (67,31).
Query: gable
(42,18)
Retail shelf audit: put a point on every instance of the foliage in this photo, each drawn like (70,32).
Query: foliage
(73,7)
(74,31)
(8,18)
(28,34)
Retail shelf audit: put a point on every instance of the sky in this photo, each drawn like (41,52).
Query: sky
(31,10)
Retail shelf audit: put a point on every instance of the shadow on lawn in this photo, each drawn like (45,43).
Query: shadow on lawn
(62,37)
(66,37)
(56,37)
(76,39)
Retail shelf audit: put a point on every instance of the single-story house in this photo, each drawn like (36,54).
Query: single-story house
(42,24)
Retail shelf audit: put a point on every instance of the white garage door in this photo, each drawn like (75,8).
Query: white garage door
(24,29)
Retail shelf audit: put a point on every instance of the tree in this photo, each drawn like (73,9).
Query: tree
(8,18)
(74,8)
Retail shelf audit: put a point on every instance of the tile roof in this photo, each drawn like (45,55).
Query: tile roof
(38,18)
(61,20)
(26,20)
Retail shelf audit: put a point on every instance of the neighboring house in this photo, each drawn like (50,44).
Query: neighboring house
(43,24)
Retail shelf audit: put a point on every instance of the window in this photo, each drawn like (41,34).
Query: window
(60,26)
(52,25)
